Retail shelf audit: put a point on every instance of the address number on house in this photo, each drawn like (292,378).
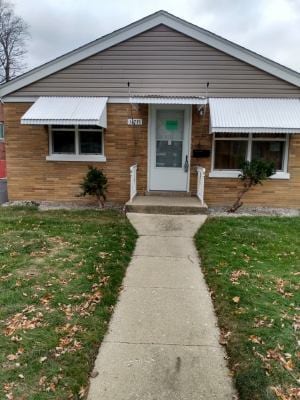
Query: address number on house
(135,121)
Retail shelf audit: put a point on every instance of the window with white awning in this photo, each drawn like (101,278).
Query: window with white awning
(75,126)
(246,129)
(67,111)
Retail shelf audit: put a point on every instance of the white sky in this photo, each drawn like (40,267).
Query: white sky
(269,27)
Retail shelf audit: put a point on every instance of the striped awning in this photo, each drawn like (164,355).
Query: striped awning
(167,100)
(254,115)
(67,111)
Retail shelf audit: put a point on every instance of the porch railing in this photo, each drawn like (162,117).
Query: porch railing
(200,183)
(133,181)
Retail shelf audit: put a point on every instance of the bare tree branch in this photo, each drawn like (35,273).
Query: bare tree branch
(13,36)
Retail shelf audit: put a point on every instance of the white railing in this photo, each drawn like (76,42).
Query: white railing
(200,183)
(133,190)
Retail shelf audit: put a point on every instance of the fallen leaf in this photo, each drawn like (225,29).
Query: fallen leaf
(235,275)
(224,336)
(82,392)
(42,380)
(236,299)
(12,357)
(255,339)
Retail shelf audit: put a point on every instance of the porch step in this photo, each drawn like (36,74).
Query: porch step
(168,193)
(175,205)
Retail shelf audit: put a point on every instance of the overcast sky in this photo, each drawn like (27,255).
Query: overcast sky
(269,27)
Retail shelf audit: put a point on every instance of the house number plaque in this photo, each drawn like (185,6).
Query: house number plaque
(135,121)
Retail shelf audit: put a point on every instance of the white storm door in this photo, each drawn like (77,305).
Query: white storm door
(169,147)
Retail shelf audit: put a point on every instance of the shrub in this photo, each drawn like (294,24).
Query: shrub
(95,184)
(252,173)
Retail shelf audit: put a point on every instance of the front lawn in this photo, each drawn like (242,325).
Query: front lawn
(60,275)
(252,267)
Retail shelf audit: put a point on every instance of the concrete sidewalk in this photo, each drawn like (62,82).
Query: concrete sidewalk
(162,342)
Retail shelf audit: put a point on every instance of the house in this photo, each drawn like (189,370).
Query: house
(161,106)
(3,185)
(2,145)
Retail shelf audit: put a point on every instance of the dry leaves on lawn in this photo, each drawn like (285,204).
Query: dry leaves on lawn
(288,394)
(84,309)
(256,339)
(263,322)
(23,321)
(49,385)
(224,336)
(236,275)
(68,343)
(280,287)
(7,388)
(296,323)
(14,357)
(285,359)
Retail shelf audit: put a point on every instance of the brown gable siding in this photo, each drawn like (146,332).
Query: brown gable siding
(161,61)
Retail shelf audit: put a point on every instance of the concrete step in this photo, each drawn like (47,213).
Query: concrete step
(168,193)
(175,205)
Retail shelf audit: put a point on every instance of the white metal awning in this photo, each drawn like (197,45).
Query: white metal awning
(167,100)
(67,111)
(260,115)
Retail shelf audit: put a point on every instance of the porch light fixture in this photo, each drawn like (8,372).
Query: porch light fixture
(201,109)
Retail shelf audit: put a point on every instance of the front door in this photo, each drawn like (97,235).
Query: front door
(169,147)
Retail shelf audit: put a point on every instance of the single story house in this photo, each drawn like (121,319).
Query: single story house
(2,145)
(160,106)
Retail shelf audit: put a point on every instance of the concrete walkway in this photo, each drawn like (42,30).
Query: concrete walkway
(162,342)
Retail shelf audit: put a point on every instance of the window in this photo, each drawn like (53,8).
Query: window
(169,138)
(271,151)
(63,142)
(230,153)
(230,149)
(75,143)
(90,142)
(1,131)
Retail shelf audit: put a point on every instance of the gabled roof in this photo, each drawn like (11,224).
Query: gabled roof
(140,26)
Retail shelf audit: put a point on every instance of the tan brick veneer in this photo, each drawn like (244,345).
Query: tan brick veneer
(31,177)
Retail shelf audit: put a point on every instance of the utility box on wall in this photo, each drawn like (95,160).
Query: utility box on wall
(198,153)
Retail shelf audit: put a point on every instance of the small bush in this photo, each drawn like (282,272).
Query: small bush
(252,173)
(95,184)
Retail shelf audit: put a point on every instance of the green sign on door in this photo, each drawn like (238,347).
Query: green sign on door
(171,125)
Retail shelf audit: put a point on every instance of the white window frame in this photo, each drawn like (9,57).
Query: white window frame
(76,156)
(234,173)
(2,137)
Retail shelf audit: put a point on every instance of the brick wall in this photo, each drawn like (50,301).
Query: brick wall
(2,151)
(30,176)
(222,191)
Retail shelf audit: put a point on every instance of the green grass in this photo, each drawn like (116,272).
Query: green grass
(60,275)
(252,267)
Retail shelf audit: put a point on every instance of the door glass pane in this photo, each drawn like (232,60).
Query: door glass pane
(270,151)
(169,138)
(229,154)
